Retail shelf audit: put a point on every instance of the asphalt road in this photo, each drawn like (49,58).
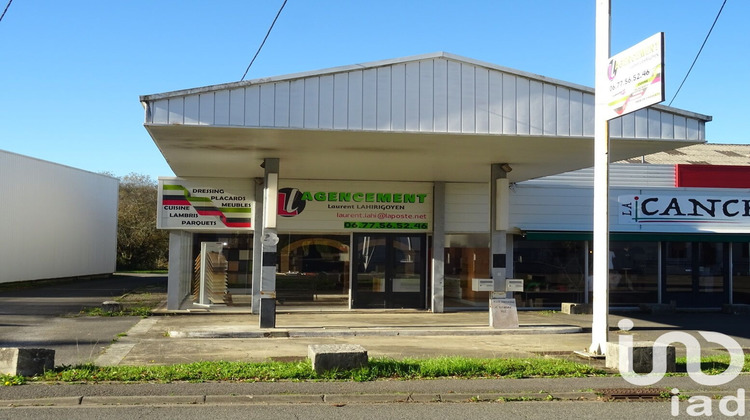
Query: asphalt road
(48,316)
(479,411)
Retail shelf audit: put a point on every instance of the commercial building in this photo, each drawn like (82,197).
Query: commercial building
(679,231)
(57,222)
(402,183)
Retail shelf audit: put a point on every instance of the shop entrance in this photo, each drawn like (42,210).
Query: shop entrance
(696,274)
(228,264)
(389,271)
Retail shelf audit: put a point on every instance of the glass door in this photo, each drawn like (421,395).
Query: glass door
(389,271)
(695,274)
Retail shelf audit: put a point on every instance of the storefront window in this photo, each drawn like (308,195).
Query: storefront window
(741,272)
(313,269)
(634,272)
(695,273)
(679,263)
(236,257)
(710,267)
(466,257)
(553,272)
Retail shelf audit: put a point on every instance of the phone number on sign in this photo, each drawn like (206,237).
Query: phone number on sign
(374,225)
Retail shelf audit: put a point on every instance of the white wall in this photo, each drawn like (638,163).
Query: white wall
(55,221)
(565,202)
(467,208)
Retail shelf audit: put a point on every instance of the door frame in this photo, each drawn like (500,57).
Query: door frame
(695,298)
(416,300)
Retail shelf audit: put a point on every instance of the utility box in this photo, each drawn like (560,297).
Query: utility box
(514,285)
(482,285)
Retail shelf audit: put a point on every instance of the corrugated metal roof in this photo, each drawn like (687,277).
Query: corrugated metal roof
(700,154)
(403,60)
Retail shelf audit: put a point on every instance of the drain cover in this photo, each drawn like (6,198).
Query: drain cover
(632,393)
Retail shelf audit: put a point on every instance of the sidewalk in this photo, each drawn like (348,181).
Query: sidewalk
(394,334)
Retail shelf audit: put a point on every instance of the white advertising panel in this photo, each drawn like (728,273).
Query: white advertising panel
(205,204)
(336,206)
(684,208)
(636,77)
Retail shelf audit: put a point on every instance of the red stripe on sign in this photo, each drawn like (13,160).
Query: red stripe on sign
(712,176)
(238,224)
(167,202)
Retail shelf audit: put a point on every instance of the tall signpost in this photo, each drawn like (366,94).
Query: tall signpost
(624,83)
(600,324)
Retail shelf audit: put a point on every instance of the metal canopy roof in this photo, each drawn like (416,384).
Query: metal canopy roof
(238,152)
(435,117)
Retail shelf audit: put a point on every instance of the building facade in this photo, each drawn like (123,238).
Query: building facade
(679,234)
(394,184)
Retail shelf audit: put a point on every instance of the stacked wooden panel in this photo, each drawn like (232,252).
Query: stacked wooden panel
(215,277)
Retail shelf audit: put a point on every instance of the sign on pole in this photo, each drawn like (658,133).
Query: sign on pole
(636,77)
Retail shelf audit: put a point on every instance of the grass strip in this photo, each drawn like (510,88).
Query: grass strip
(711,365)
(141,311)
(378,368)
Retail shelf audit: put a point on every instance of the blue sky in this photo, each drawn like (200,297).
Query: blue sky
(72,71)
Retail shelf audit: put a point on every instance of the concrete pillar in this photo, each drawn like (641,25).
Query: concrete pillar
(498,224)
(180,268)
(269,240)
(26,362)
(438,248)
(257,246)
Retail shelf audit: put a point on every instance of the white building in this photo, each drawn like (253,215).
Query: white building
(56,222)
(391,184)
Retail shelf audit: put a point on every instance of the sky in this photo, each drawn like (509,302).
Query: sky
(72,71)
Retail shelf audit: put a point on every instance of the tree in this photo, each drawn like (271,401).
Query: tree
(140,246)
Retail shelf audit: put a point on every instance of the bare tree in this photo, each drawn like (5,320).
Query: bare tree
(140,246)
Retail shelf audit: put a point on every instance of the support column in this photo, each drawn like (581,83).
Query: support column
(257,265)
(180,268)
(438,247)
(502,307)
(269,240)
(499,224)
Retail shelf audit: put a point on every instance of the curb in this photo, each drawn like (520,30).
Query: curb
(282,333)
(330,399)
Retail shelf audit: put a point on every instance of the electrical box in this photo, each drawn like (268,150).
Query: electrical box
(514,285)
(482,285)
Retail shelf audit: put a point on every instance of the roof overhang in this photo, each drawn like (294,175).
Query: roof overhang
(237,152)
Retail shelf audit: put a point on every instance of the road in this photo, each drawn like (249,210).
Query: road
(47,316)
(405,411)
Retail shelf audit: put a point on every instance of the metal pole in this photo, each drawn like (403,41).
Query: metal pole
(600,324)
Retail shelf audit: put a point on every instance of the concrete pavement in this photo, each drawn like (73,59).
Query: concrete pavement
(399,334)
(394,334)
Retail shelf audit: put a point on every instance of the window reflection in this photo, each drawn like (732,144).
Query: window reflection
(466,257)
